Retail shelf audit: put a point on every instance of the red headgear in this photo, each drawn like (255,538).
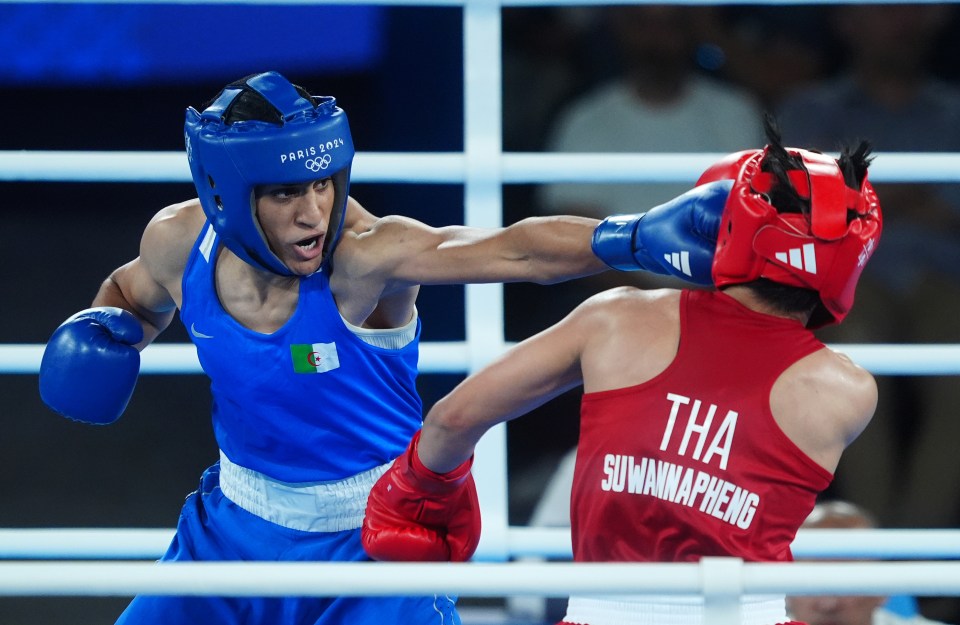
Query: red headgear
(824,250)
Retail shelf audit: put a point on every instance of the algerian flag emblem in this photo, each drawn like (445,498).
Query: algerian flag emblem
(315,358)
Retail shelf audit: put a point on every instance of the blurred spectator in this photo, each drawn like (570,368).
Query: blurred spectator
(886,91)
(659,102)
(769,50)
(837,610)
(544,65)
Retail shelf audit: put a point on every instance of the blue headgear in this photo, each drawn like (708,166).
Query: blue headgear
(311,140)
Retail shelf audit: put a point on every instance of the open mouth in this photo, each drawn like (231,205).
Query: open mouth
(308,244)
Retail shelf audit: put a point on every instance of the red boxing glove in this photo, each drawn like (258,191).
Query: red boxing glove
(414,514)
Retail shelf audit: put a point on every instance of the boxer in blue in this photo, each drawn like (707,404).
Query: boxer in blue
(302,308)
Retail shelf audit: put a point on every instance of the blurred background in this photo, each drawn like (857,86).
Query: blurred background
(630,78)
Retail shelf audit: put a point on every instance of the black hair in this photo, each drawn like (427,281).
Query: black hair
(853,163)
(251,106)
(782,196)
(786,298)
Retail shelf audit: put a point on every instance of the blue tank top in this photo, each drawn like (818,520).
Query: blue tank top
(309,402)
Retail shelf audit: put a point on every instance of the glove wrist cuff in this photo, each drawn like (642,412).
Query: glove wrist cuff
(613,241)
(431,481)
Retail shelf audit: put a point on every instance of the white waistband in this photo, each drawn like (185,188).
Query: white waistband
(307,506)
(668,610)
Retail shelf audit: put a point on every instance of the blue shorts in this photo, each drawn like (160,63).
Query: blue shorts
(213,528)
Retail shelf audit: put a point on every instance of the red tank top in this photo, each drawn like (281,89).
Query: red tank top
(692,463)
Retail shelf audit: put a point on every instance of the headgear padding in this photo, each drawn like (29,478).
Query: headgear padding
(310,141)
(824,249)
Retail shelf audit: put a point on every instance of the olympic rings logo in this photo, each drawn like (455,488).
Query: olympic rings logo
(316,164)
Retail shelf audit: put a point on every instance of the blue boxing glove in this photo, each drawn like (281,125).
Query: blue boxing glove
(677,238)
(90,365)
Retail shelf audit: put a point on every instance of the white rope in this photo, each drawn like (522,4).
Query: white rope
(126,166)
(454,357)
(84,543)
(467,580)
(893,544)
(448,167)
(181,358)
(521,542)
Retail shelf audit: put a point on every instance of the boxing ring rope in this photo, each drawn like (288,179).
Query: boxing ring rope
(716,578)
(454,357)
(446,167)
(483,169)
(150,543)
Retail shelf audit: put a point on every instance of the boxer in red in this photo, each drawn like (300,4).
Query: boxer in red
(711,419)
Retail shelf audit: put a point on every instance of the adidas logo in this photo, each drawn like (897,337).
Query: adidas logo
(803,258)
(865,254)
(679,261)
